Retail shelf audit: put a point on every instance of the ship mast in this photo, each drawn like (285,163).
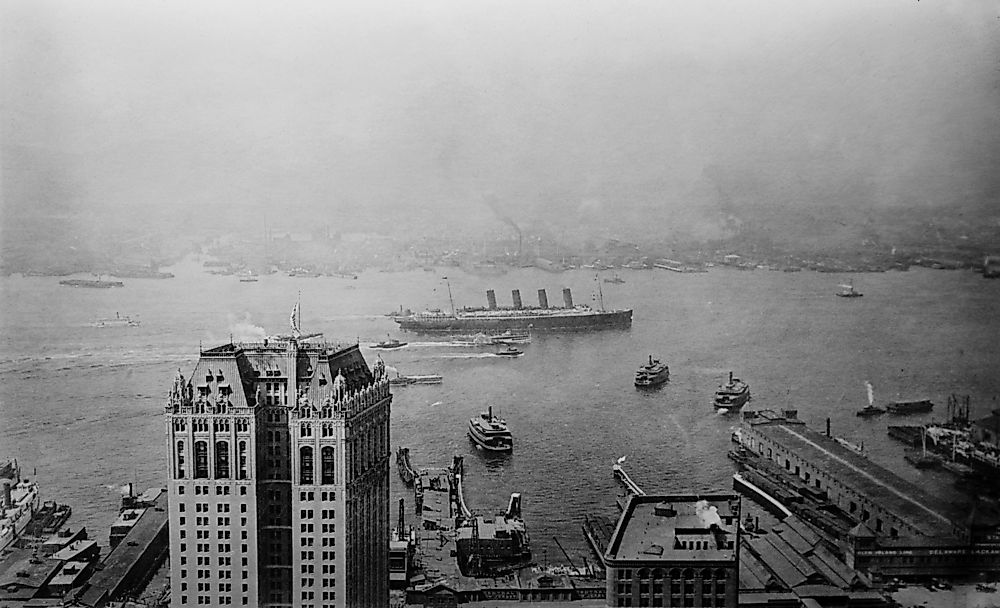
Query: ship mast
(450,299)
(600,292)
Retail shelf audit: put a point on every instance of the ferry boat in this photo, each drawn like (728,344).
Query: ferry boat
(571,317)
(389,344)
(118,321)
(847,291)
(652,373)
(734,393)
(510,351)
(18,503)
(490,432)
(910,407)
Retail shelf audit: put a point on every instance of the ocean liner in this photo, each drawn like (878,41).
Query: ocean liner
(541,318)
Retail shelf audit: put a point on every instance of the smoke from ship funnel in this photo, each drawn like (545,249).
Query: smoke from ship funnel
(568,297)
(543,299)
(516,295)
(491,299)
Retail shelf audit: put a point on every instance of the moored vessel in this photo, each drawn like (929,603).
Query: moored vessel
(734,393)
(99,284)
(18,503)
(652,373)
(490,432)
(910,407)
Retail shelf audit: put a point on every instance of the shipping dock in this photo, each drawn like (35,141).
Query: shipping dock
(461,556)
(884,524)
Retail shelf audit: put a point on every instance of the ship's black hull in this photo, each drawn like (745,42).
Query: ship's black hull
(619,319)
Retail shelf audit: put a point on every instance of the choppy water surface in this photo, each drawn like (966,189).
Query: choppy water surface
(84,405)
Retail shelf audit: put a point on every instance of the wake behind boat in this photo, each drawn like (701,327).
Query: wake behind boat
(490,432)
(652,374)
(734,393)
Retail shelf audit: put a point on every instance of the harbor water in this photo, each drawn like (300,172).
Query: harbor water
(81,407)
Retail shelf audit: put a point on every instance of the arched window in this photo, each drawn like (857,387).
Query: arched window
(328,464)
(243,464)
(221,460)
(306,465)
(180,460)
(201,460)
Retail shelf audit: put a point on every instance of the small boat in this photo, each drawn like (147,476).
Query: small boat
(910,407)
(424,379)
(389,344)
(510,351)
(118,321)
(615,279)
(490,432)
(734,393)
(847,291)
(871,409)
(652,373)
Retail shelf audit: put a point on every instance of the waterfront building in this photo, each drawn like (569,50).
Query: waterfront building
(279,476)
(675,550)
(897,528)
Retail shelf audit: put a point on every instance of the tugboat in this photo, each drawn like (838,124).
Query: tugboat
(510,351)
(847,291)
(490,432)
(871,409)
(734,393)
(652,373)
(389,344)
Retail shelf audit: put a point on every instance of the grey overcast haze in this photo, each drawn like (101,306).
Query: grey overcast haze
(625,119)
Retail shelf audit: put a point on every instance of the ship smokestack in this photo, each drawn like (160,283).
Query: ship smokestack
(491,299)
(543,299)
(516,295)
(489,411)
(568,297)
(827,427)
(7,502)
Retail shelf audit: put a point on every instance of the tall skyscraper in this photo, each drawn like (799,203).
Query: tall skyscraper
(279,477)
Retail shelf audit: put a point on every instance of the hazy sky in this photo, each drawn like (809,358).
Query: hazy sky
(619,115)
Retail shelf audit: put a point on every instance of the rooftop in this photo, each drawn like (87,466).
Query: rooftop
(678,527)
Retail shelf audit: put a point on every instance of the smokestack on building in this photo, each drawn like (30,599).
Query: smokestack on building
(491,299)
(543,299)
(516,295)
(827,427)
(568,297)
(402,522)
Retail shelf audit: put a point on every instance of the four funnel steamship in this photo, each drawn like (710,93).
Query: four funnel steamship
(541,318)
